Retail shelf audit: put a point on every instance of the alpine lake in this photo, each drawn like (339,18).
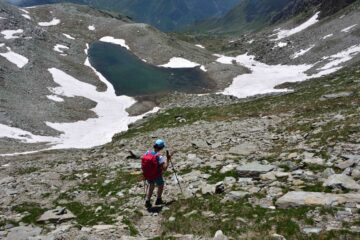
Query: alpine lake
(132,76)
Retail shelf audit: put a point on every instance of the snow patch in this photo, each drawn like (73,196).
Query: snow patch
(282,44)
(302,52)
(22,135)
(59,47)
(26,16)
(15,58)
(91,28)
(264,78)
(348,29)
(68,36)
(251,41)
(113,40)
(341,57)
(287,33)
(9,34)
(177,62)
(200,46)
(55,98)
(24,11)
(327,36)
(53,22)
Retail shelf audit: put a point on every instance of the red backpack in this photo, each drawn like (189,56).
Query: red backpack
(150,166)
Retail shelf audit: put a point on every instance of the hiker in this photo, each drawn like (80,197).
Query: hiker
(153,165)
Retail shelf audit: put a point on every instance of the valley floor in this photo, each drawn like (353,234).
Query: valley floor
(277,167)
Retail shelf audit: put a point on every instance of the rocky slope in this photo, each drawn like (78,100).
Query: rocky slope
(279,166)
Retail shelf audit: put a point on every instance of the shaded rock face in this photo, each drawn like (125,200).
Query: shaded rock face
(329,7)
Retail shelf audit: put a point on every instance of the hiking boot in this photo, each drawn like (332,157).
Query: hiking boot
(148,204)
(159,201)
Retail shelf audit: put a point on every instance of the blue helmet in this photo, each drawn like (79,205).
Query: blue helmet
(159,143)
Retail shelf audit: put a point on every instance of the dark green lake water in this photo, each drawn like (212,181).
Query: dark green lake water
(133,77)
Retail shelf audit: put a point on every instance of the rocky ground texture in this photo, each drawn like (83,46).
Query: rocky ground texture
(277,167)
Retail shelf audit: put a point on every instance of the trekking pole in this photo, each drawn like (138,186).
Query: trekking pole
(175,173)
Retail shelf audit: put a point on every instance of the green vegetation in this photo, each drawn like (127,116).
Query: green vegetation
(133,230)
(32,210)
(28,170)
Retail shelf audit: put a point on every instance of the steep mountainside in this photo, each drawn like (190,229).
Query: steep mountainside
(166,15)
(253,15)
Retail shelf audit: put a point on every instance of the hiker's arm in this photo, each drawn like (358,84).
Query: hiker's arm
(165,165)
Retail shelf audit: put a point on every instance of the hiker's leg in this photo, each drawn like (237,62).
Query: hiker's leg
(150,191)
(160,184)
(160,191)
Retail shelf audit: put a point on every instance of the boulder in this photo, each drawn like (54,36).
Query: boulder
(199,144)
(227,168)
(219,235)
(235,196)
(336,95)
(253,169)
(298,199)
(342,181)
(56,215)
(244,148)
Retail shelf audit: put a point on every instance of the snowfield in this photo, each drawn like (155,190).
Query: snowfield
(53,22)
(264,78)
(113,40)
(287,33)
(200,46)
(91,28)
(15,58)
(59,47)
(9,34)
(302,52)
(177,62)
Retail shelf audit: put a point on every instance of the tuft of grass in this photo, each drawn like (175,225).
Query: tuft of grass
(33,210)
(28,170)
(133,230)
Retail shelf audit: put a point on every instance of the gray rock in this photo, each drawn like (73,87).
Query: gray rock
(234,196)
(227,168)
(244,148)
(134,154)
(345,164)
(23,233)
(327,172)
(297,199)
(56,215)
(312,230)
(309,158)
(253,169)
(199,143)
(342,181)
(219,235)
(336,95)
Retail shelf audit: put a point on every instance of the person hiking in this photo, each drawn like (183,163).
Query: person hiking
(153,164)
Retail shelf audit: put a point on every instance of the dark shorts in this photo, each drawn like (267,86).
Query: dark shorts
(159,181)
